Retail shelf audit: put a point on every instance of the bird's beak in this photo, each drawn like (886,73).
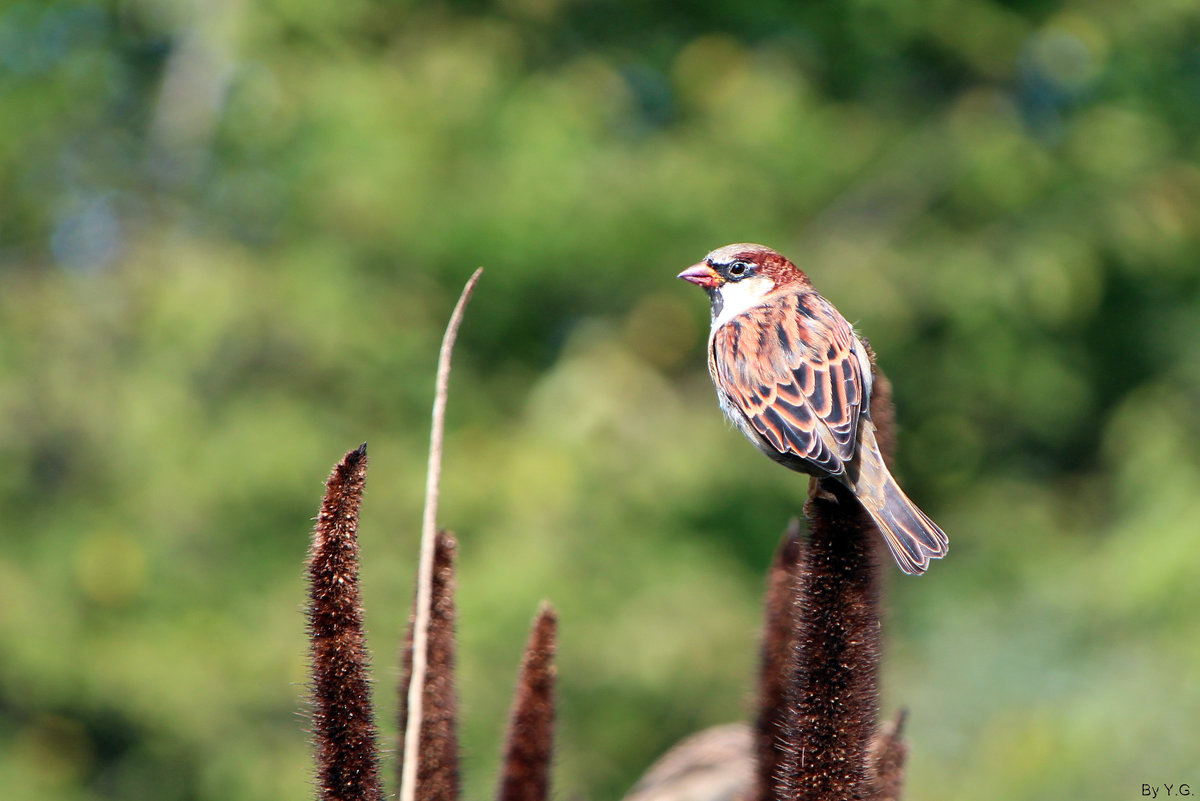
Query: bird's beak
(702,275)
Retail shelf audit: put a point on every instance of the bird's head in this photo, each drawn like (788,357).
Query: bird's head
(739,277)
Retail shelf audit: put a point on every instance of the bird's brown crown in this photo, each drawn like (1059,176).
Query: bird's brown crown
(758,259)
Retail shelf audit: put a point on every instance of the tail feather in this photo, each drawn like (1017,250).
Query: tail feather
(911,536)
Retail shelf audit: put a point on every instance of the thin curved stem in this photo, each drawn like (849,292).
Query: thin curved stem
(412,737)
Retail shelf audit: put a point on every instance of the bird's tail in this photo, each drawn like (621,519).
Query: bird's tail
(911,536)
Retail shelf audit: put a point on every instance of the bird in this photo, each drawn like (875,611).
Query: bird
(793,376)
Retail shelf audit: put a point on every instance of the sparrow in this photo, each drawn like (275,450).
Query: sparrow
(793,376)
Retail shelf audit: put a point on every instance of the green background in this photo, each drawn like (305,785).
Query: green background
(231,233)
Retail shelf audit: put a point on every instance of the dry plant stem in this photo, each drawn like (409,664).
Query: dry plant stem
(343,721)
(529,751)
(835,676)
(428,528)
(778,646)
(438,764)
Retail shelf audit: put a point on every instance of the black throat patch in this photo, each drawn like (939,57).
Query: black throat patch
(717,302)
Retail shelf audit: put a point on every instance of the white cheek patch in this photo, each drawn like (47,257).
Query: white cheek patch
(741,296)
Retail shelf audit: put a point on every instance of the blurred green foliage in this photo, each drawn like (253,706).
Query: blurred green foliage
(230,235)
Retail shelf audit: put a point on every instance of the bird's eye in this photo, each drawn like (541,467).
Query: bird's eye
(738,269)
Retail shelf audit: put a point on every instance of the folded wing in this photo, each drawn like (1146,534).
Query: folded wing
(792,369)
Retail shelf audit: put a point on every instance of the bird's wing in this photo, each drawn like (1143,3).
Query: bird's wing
(792,368)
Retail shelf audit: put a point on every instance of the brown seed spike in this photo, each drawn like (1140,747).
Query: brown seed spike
(438,758)
(342,719)
(528,753)
(778,646)
(835,674)
(837,654)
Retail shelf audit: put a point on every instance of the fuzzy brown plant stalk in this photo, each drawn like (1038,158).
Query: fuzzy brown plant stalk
(834,682)
(342,719)
(778,647)
(530,746)
(438,777)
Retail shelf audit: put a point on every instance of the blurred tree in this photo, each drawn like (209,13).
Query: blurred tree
(229,236)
